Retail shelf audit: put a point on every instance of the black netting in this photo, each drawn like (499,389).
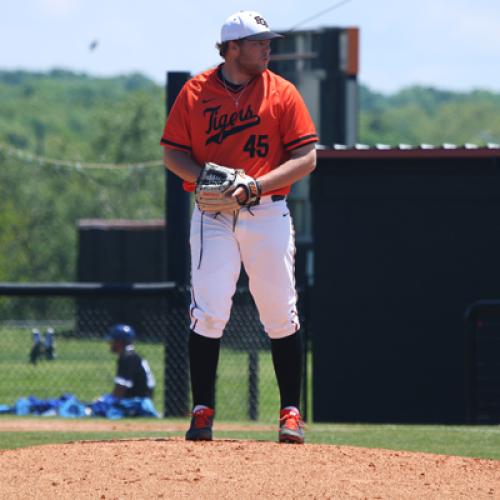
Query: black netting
(54,344)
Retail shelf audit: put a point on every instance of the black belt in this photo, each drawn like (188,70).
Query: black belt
(275,197)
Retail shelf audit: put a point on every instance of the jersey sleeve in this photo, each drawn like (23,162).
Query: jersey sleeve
(177,134)
(296,126)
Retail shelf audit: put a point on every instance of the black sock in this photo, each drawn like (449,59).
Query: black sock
(287,360)
(203,359)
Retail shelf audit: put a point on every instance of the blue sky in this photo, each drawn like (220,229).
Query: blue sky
(449,44)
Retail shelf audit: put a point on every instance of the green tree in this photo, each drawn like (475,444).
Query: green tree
(75,117)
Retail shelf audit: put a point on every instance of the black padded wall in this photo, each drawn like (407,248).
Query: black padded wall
(402,247)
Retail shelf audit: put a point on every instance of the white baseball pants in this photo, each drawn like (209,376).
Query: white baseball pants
(261,238)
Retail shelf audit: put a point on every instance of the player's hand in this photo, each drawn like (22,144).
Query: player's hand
(240,195)
(220,189)
(248,191)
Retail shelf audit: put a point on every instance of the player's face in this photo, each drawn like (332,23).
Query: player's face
(115,346)
(253,56)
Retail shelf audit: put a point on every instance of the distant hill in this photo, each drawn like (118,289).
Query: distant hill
(64,114)
(416,115)
(61,113)
(69,116)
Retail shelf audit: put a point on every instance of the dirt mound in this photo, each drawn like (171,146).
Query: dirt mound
(174,468)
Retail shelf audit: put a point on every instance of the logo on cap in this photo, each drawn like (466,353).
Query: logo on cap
(261,20)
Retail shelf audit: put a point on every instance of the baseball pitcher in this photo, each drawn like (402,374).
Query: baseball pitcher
(239,136)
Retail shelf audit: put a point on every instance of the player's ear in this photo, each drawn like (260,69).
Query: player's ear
(234,46)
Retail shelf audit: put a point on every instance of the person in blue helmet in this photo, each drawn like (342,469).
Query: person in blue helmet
(134,378)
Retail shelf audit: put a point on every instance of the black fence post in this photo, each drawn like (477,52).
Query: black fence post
(253,384)
(305,340)
(177,205)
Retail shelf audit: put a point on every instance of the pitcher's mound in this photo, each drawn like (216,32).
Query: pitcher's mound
(174,468)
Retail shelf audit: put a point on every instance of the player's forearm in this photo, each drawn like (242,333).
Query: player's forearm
(181,164)
(301,164)
(119,391)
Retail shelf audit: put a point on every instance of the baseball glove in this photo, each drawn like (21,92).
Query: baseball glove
(216,184)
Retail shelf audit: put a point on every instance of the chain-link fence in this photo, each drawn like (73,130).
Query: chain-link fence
(52,343)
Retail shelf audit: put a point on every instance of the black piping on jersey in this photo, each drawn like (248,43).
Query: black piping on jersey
(170,143)
(306,139)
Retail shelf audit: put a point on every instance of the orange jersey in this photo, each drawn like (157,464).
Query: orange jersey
(252,127)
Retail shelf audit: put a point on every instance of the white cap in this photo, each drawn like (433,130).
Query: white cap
(246,24)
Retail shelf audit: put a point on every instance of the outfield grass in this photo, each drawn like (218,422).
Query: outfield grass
(87,368)
(12,440)
(468,441)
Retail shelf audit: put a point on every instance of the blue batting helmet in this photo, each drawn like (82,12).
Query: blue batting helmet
(121,332)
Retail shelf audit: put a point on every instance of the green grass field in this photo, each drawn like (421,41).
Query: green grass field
(468,441)
(87,367)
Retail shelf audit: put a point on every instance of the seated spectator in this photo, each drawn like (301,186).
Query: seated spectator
(134,378)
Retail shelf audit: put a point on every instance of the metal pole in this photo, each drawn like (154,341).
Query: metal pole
(177,206)
(177,203)
(253,384)
(305,339)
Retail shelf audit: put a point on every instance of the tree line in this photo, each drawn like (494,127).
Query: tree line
(69,116)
